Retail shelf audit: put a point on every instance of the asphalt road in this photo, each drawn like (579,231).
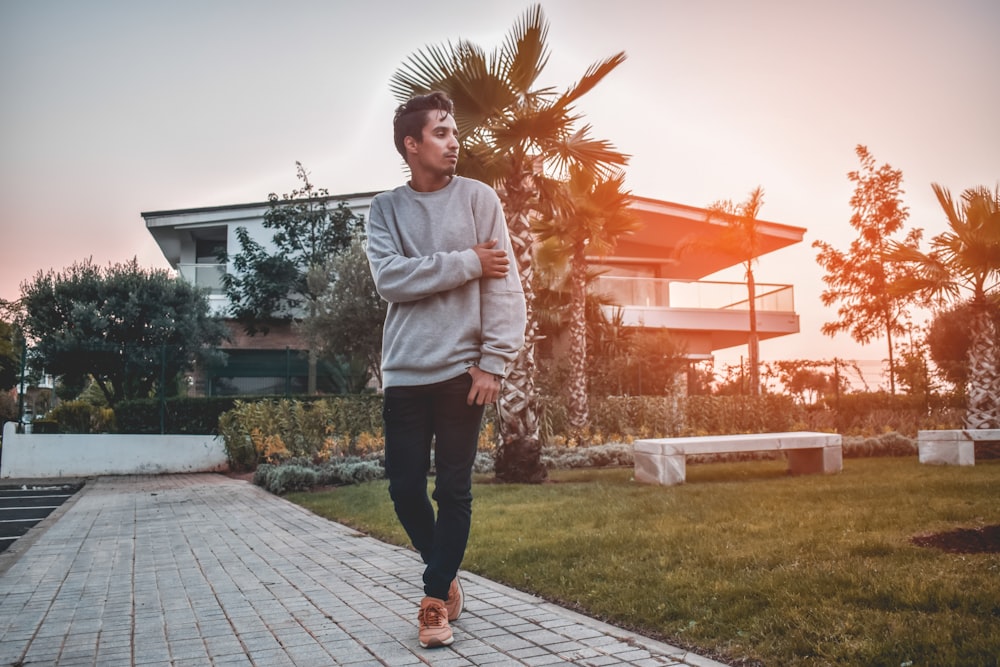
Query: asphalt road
(22,507)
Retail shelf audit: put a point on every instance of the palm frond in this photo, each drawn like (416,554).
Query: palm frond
(598,155)
(524,53)
(425,70)
(594,74)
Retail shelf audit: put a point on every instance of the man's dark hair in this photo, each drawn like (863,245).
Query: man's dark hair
(411,116)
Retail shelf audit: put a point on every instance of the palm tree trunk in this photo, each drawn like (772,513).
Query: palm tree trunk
(519,456)
(983,398)
(753,342)
(579,411)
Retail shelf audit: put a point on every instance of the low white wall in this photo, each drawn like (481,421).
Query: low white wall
(32,455)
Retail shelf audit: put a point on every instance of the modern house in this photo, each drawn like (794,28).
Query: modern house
(653,285)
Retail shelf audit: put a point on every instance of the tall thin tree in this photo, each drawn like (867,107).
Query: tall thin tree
(740,239)
(860,279)
(587,217)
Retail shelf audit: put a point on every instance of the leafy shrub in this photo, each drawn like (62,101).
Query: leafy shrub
(300,474)
(484,464)
(272,431)
(44,426)
(352,470)
(199,416)
(873,413)
(81,417)
(717,415)
(8,408)
(887,444)
(600,456)
(284,478)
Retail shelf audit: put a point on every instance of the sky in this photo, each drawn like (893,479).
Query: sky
(115,107)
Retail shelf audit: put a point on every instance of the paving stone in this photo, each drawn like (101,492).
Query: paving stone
(200,569)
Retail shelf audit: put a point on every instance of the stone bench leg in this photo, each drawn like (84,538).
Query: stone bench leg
(957,452)
(815,461)
(659,468)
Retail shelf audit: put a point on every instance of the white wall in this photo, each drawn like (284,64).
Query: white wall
(31,456)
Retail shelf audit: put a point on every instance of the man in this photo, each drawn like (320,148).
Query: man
(440,255)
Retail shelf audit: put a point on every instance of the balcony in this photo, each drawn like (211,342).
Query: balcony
(205,276)
(712,315)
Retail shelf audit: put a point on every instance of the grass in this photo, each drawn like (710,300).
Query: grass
(745,563)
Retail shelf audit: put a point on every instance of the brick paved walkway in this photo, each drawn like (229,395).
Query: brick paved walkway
(195,570)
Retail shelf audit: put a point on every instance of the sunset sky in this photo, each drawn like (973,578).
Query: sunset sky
(111,108)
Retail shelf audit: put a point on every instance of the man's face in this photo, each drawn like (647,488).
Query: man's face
(437,154)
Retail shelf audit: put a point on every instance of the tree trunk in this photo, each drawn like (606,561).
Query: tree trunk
(311,373)
(983,398)
(753,342)
(579,411)
(892,357)
(519,456)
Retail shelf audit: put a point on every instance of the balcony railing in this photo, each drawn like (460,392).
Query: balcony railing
(207,276)
(708,295)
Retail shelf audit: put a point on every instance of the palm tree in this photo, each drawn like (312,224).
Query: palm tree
(964,265)
(587,215)
(740,239)
(519,139)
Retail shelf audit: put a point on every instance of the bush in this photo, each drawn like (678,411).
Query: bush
(887,444)
(282,479)
(717,415)
(600,456)
(874,413)
(8,408)
(301,474)
(44,426)
(82,417)
(274,431)
(196,416)
(352,470)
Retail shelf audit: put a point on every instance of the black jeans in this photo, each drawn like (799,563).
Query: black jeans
(414,417)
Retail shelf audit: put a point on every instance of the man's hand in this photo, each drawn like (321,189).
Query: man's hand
(485,387)
(494,262)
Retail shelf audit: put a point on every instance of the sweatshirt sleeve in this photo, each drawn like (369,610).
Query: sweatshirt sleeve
(399,278)
(503,313)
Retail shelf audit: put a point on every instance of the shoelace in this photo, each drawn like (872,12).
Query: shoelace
(432,616)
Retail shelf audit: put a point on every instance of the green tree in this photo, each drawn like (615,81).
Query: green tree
(125,326)
(807,380)
(948,341)
(349,313)
(283,282)
(11,345)
(912,370)
(587,217)
(963,265)
(861,279)
(521,139)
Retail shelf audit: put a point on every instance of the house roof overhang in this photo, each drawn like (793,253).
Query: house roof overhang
(664,226)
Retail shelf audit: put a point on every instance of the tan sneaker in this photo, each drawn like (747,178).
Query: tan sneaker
(456,599)
(433,619)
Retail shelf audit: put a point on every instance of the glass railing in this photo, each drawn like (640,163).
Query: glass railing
(708,295)
(207,276)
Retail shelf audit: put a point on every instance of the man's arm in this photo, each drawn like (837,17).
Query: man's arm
(502,313)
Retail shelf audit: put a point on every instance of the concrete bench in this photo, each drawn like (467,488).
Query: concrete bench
(953,446)
(662,460)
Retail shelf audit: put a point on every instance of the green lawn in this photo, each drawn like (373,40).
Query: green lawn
(745,563)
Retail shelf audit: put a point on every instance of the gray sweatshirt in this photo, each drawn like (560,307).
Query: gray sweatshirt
(442,317)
